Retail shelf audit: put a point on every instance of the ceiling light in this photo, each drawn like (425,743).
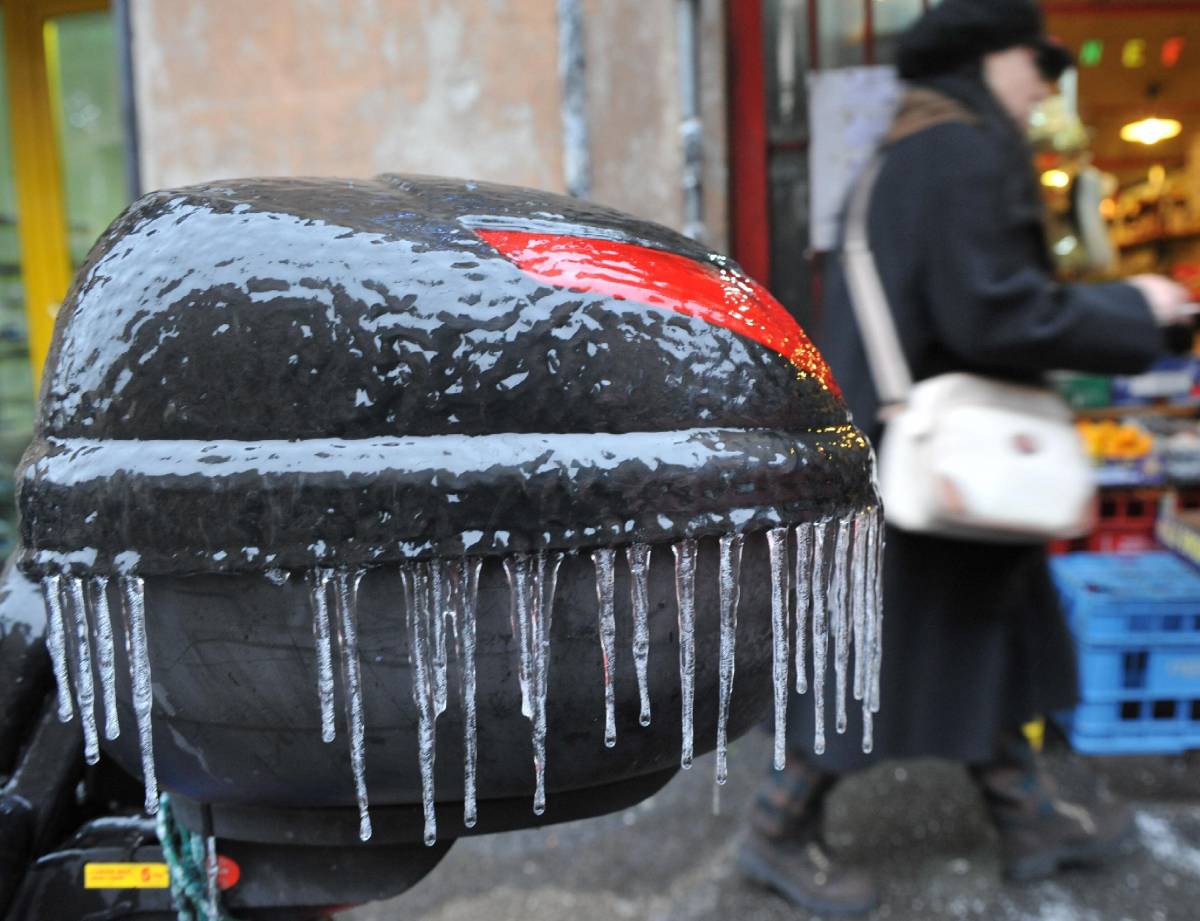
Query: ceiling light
(1150,131)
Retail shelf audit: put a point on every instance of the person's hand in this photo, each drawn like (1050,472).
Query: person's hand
(1169,302)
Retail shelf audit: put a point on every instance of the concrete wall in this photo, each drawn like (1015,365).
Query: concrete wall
(326,87)
(454,87)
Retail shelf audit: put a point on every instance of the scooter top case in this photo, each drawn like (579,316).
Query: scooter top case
(414,498)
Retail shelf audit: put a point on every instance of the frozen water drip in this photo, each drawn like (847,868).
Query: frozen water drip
(320,580)
(777,545)
(346,594)
(603,559)
(133,599)
(638,558)
(685,594)
(729,575)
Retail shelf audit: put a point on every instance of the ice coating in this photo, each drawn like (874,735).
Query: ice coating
(320,581)
(80,653)
(638,558)
(421,604)
(97,592)
(133,599)
(730,588)
(262,377)
(685,593)
(777,541)
(56,642)
(345,593)
(604,561)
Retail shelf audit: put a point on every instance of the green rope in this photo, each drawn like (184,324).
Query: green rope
(183,852)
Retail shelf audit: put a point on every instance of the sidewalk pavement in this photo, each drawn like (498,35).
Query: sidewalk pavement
(918,825)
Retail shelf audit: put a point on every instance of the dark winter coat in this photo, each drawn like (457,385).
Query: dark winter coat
(974,640)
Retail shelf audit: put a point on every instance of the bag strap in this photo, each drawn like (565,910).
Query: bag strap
(920,109)
(885,355)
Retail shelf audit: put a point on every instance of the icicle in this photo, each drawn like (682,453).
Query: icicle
(877,606)
(685,593)
(105,655)
(532,581)
(777,542)
(133,596)
(820,635)
(420,612)
(862,528)
(870,608)
(841,620)
(517,570)
(437,620)
(346,593)
(468,596)
(320,581)
(212,878)
(638,558)
(548,564)
(56,642)
(804,582)
(81,652)
(729,574)
(543,608)
(873,624)
(603,560)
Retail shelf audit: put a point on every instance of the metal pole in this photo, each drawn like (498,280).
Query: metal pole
(572,75)
(691,126)
(129,124)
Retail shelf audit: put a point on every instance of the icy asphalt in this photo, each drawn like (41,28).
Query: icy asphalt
(919,826)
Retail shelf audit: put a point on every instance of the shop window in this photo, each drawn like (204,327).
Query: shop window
(62,181)
(84,94)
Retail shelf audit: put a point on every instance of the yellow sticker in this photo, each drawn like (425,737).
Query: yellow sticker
(125,876)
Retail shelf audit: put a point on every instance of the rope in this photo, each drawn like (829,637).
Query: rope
(184,854)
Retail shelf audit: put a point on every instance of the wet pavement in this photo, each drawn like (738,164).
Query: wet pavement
(919,826)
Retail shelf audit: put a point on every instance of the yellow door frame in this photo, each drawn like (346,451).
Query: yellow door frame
(41,216)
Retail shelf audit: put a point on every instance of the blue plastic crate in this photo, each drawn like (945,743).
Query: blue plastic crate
(1136,619)
(1143,599)
(1112,673)
(1148,726)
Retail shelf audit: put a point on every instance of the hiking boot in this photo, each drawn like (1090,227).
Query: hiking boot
(1041,834)
(804,874)
(1063,835)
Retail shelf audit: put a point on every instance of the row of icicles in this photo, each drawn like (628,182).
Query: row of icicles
(842,604)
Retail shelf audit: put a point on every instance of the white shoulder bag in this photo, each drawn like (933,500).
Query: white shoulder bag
(963,455)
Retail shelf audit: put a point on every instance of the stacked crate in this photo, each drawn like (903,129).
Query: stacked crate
(1136,619)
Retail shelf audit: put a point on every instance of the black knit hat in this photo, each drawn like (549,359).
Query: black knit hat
(956,32)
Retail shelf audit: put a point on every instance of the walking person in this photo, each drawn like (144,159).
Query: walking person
(975,644)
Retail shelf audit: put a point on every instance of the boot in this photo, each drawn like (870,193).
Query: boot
(1041,834)
(784,851)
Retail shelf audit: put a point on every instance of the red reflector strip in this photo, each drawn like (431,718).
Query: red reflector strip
(655,278)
